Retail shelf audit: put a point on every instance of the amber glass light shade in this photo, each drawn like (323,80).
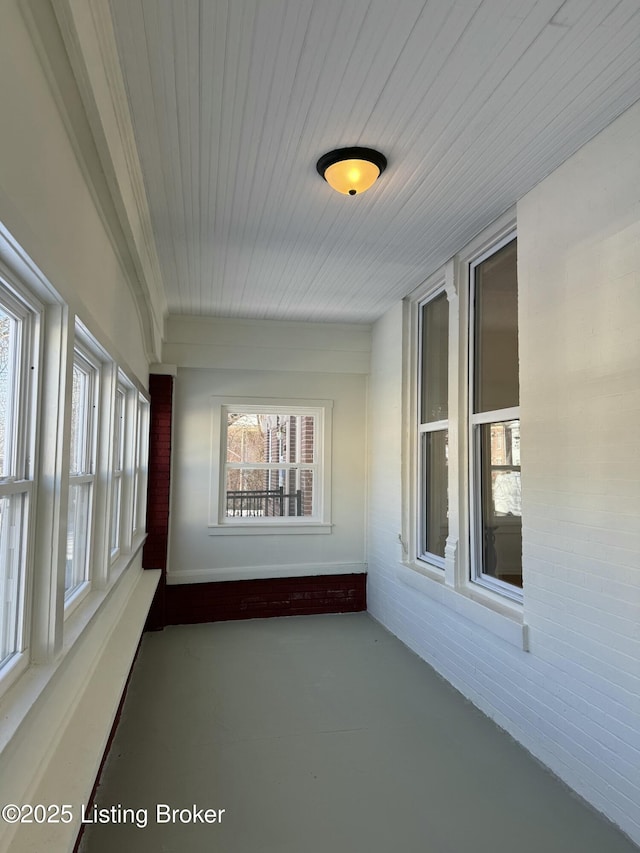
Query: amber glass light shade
(351,171)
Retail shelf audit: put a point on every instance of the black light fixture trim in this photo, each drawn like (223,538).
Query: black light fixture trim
(354,153)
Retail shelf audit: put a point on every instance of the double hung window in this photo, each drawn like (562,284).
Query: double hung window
(494,440)
(117,470)
(18,366)
(140,466)
(433,409)
(269,466)
(82,471)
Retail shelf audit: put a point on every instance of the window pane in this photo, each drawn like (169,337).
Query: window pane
(258,437)
(435,492)
(79,421)
(115,513)
(276,492)
(77,536)
(496,331)
(8,346)
(118,439)
(12,525)
(501,505)
(435,360)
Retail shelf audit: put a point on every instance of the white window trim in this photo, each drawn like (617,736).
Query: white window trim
(452,587)
(433,287)
(83,353)
(116,514)
(477,577)
(321,523)
(141,467)
(24,481)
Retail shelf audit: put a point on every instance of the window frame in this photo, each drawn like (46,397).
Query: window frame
(453,587)
(423,429)
(141,467)
(22,478)
(89,364)
(320,522)
(474,421)
(118,432)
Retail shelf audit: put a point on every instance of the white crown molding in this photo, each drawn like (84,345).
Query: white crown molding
(86,30)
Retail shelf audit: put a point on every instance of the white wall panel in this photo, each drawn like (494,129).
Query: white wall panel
(47,206)
(194,554)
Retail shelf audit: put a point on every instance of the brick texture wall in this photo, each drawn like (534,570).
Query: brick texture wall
(252,599)
(154,555)
(572,700)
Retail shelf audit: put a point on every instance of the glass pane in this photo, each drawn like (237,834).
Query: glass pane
(12,532)
(258,437)
(496,383)
(435,360)
(115,513)
(272,493)
(435,492)
(501,502)
(8,344)
(79,421)
(118,439)
(77,536)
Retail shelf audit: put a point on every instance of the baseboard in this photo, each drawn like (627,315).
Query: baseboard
(265,597)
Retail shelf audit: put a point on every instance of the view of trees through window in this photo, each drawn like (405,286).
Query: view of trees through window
(267,456)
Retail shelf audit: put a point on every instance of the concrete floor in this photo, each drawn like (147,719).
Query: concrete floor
(318,734)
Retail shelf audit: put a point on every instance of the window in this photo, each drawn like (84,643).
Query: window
(18,363)
(271,469)
(433,411)
(141,467)
(81,471)
(117,470)
(494,440)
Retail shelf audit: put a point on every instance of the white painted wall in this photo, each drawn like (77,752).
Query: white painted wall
(55,719)
(275,360)
(574,699)
(47,206)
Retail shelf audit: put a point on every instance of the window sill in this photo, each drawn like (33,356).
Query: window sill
(503,618)
(26,691)
(269,529)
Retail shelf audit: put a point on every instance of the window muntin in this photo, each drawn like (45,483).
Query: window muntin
(496,516)
(433,408)
(271,465)
(81,472)
(18,364)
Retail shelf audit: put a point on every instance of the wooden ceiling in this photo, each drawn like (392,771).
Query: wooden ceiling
(472,101)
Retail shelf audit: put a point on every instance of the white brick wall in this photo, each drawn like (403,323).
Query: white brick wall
(574,699)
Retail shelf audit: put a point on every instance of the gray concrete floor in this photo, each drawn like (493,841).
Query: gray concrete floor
(318,734)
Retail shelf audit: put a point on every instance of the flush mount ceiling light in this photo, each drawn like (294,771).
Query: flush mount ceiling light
(351,171)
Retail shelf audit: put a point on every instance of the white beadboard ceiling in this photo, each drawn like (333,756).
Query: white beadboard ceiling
(473,102)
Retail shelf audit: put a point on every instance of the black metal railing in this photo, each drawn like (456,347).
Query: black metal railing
(263,503)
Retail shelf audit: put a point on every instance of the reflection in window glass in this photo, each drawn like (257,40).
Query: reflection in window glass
(16,414)
(81,474)
(435,359)
(78,521)
(8,344)
(496,331)
(433,407)
(435,496)
(501,501)
(12,538)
